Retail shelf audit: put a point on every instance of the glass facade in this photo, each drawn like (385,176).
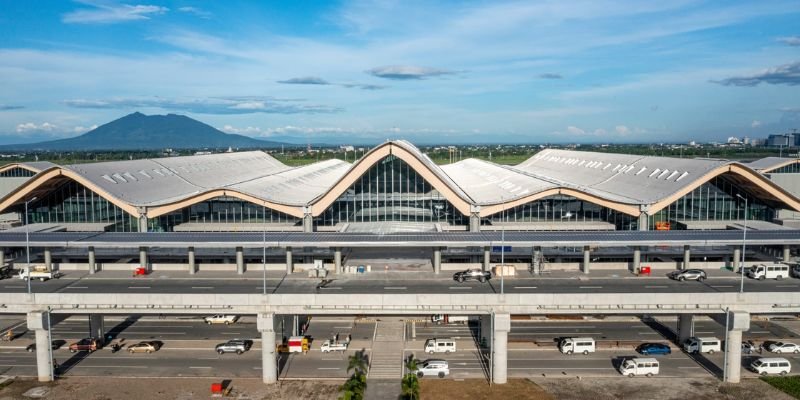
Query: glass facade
(17,172)
(391,191)
(223,209)
(73,202)
(561,208)
(793,168)
(715,200)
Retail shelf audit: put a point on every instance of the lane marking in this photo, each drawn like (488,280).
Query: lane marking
(202,287)
(695,367)
(460,288)
(231,333)
(655,287)
(330,288)
(395,288)
(138,287)
(76,287)
(14,287)
(786,286)
(268,287)
(720,286)
(327,368)
(199,367)
(648,333)
(590,287)
(759,331)
(554,333)
(524,287)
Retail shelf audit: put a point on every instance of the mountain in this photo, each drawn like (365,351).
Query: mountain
(149,132)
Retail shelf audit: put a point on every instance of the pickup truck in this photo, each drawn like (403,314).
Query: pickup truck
(328,346)
(87,344)
(449,319)
(40,275)
(221,319)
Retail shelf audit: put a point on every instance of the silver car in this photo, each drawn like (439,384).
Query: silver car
(691,274)
(438,368)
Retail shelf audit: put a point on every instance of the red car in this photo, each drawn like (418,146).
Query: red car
(87,344)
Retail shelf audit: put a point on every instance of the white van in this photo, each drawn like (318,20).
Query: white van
(446,346)
(583,345)
(768,271)
(777,365)
(639,366)
(702,345)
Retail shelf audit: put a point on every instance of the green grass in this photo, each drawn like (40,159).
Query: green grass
(787,384)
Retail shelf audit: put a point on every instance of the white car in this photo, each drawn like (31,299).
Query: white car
(438,368)
(784,347)
(221,319)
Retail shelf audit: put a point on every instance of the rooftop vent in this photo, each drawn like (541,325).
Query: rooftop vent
(683,175)
(641,170)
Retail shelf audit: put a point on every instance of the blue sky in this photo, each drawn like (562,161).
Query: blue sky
(444,72)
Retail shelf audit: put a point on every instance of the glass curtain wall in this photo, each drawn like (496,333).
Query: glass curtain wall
(391,191)
(220,210)
(793,168)
(714,201)
(73,202)
(16,172)
(561,208)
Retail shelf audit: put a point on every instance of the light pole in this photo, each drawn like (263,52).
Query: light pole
(28,247)
(503,250)
(744,241)
(264,259)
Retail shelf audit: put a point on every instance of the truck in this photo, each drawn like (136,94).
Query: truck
(449,319)
(221,319)
(329,346)
(297,344)
(41,275)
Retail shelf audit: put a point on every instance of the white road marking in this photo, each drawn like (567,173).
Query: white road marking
(208,358)
(328,368)
(555,327)
(648,333)
(200,367)
(330,288)
(138,287)
(460,288)
(720,286)
(695,367)
(231,333)
(268,287)
(553,333)
(524,287)
(202,287)
(395,288)
(655,287)
(590,287)
(786,286)
(14,287)
(759,332)
(76,287)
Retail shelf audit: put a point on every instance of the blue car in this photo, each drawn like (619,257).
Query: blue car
(649,349)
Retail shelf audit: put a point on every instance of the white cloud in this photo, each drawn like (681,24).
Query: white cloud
(109,12)
(249,131)
(790,40)
(755,124)
(197,12)
(622,130)
(32,127)
(83,129)
(575,130)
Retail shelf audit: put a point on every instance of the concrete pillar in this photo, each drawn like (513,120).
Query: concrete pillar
(192,264)
(486,329)
(644,222)
(337,260)
(537,260)
(143,258)
(737,258)
(48,259)
(289,263)
(738,322)
(487,258)
(269,361)
(92,261)
(2,257)
(437,260)
(787,253)
(239,260)
(474,218)
(502,325)
(687,255)
(587,259)
(143,223)
(308,220)
(39,322)
(637,257)
(685,327)
(97,327)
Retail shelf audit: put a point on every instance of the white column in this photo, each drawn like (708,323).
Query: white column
(487,257)
(337,260)
(787,253)
(502,324)
(737,258)
(637,257)
(143,258)
(2,257)
(687,255)
(738,322)
(289,263)
(437,260)
(269,362)
(239,260)
(92,261)
(39,322)
(192,265)
(587,258)
(48,259)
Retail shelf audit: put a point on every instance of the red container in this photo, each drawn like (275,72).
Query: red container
(216,388)
(140,271)
(645,270)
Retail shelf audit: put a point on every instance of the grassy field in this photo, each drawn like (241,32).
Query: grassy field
(787,384)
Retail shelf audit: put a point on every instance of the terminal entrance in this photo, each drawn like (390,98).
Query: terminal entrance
(392,259)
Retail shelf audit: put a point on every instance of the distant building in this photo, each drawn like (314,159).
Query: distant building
(734,140)
(778,140)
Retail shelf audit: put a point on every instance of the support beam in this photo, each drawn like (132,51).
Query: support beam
(738,322)
(143,258)
(437,260)
(644,222)
(502,325)
(474,218)
(39,322)
(92,261)
(239,260)
(192,264)
(487,258)
(143,223)
(537,260)
(289,262)
(2,257)
(737,258)
(269,361)
(787,253)
(48,259)
(337,260)
(687,256)
(97,327)
(308,220)
(685,327)
(587,259)
(637,258)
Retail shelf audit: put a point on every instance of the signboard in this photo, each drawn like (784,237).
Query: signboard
(662,225)
(498,249)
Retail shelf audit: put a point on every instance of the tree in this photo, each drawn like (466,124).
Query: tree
(358,362)
(409,386)
(356,385)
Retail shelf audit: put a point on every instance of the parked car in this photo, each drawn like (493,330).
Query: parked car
(55,345)
(783,347)
(653,349)
(764,366)
(796,270)
(144,347)
(221,319)
(237,346)
(476,274)
(438,368)
(749,347)
(691,274)
(87,344)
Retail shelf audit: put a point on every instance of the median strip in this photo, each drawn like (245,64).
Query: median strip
(590,287)
(202,287)
(524,287)
(76,287)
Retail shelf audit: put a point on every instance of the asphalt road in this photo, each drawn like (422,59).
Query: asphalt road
(81,283)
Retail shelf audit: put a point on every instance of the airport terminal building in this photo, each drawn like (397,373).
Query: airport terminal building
(396,188)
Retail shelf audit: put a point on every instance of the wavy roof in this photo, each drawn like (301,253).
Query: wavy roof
(627,183)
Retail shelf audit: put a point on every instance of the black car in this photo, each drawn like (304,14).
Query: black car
(476,274)
(55,345)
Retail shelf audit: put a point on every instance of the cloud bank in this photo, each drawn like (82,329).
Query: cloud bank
(787,74)
(211,105)
(102,12)
(407,72)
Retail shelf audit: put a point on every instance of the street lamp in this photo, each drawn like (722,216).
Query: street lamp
(503,250)
(744,241)
(264,259)
(27,246)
